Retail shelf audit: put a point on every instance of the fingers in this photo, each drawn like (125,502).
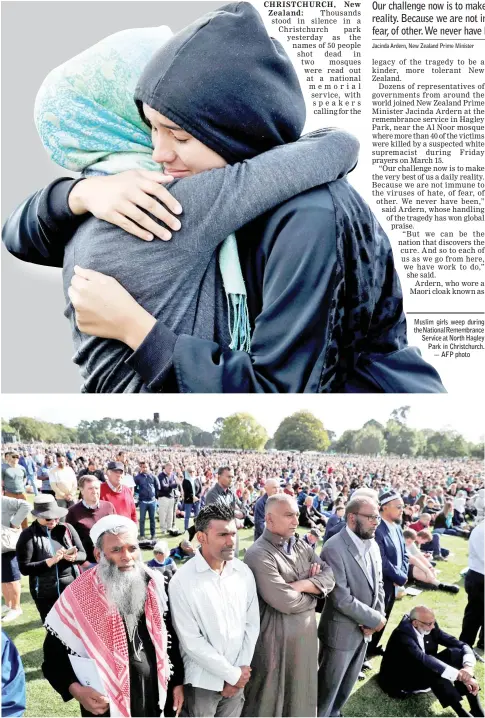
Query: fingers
(133,211)
(124,223)
(156,176)
(90,274)
(154,207)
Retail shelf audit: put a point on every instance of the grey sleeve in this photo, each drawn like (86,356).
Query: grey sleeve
(221,201)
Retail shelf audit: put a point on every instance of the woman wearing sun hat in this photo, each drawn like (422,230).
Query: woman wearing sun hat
(47,552)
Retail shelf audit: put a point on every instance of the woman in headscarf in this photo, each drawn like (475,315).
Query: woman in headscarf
(325,303)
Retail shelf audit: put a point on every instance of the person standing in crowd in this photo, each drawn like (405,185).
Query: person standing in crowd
(271,487)
(473,617)
(354,610)
(28,463)
(223,489)
(192,489)
(13,680)
(162,561)
(412,664)
(63,482)
(14,477)
(85,513)
(134,649)
(167,494)
(91,470)
(148,487)
(336,518)
(43,475)
(14,511)
(395,562)
(113,491)
(216,615)
(289,579)
(48,553)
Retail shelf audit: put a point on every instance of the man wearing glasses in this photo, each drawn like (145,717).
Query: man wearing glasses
(412,664)
(354,610)
(395,562)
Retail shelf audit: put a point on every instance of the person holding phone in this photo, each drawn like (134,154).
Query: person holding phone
(49,553)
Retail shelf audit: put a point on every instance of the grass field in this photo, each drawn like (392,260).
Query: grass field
(367,699)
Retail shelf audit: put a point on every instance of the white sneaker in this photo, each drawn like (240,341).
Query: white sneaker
(5,608)
(423,690)
(11,615)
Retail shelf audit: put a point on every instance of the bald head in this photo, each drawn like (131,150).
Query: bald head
(272,486)
(281,515)
(423,619)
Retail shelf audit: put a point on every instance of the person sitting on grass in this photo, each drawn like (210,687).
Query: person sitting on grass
(421,571)
(162,560)
(412,664)
(444,523)
(433,543)
(183,551)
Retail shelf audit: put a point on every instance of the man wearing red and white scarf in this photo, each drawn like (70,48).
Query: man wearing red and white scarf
(113,618)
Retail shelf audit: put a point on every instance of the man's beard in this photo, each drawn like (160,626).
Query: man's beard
(125,590)
(361,532)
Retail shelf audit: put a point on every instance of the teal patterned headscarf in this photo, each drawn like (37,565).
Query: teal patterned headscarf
(88,122)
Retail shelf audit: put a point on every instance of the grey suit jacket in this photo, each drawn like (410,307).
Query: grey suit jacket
(357,599)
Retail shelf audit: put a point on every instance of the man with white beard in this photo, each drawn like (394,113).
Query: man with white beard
(113,614)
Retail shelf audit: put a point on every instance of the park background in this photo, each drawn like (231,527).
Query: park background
(377,427)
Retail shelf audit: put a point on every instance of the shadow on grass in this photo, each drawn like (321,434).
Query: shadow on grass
(32,662)
(370,700)
(15,630)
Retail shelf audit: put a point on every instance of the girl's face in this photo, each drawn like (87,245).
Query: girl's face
(181,154)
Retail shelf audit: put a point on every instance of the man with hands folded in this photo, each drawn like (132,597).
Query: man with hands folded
(354,610)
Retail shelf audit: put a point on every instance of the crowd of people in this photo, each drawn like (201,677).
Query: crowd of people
(196,629)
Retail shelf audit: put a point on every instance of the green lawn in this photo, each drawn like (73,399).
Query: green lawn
(367,699)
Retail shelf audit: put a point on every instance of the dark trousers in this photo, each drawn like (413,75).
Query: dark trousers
(151,507)
(44,605)
(376,637)
(434,546)
(448,693)
(473,616)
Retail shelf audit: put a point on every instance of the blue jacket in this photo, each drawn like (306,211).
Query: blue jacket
(404,661)
(147,486)
(259,516)
(29,465)
(391,574)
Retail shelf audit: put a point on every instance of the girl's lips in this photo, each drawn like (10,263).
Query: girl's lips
(176,173)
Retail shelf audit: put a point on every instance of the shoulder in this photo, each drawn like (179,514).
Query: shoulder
(107,507)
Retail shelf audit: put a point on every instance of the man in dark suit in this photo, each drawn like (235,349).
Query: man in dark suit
(395,561)
(412,664)
(192,489)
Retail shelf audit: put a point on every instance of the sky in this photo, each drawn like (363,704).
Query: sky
(338,412)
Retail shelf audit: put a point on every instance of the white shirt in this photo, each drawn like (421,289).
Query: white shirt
(216,617)
(364,547)
(475,549)
(63,482)
(449,672)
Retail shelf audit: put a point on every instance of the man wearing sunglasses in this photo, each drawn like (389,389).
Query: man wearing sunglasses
(412,664)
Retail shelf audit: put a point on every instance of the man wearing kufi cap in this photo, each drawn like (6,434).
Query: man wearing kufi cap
(390,539)
(113,614)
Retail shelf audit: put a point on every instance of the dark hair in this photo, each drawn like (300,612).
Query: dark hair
(219,511)
(87,478)
(221,470)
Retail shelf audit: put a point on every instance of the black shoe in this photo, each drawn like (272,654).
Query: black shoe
(449,587)
(438,557)
(367,666)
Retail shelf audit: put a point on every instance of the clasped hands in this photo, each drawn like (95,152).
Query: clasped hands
(230,690)
(465,675)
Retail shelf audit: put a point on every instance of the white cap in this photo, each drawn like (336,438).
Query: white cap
(111,522)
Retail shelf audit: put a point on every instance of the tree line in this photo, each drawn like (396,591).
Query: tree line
(301,431)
